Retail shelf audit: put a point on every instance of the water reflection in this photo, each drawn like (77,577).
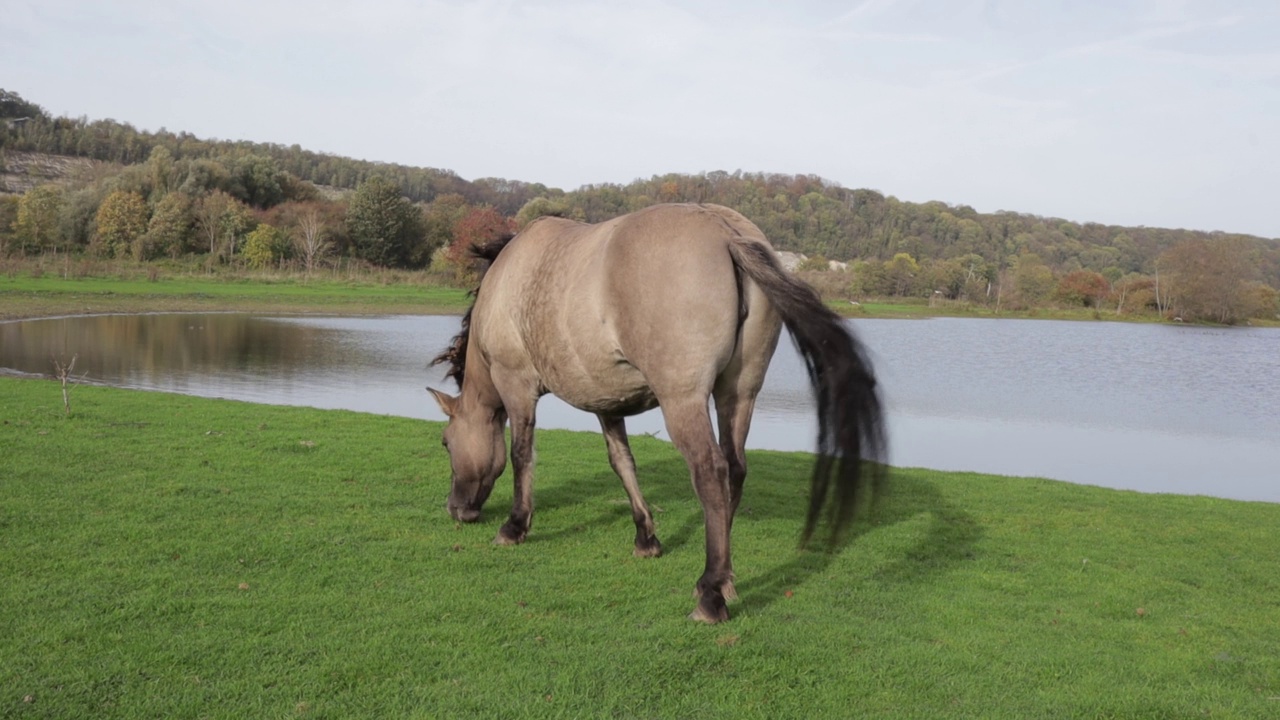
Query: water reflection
(1146,407)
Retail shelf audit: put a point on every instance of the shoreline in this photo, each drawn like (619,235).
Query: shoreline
(26,298)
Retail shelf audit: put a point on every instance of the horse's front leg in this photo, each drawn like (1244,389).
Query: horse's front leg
(624,464)
(514,530)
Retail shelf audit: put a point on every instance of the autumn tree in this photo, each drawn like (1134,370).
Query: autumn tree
(1133,291)
(1210,278)
(221,220)
(121,219)
(869,278)
(171,227)
(540,207)
(265,245)
(439,219)
(945,276)
(478,226)
(1262,300)
(235,223)
(1033,280)
(901,273)
(208,217)
(1083,287)
(37,221)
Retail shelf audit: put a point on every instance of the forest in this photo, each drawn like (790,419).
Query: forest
(153,196)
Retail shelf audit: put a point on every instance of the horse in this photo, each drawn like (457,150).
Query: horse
(671,306)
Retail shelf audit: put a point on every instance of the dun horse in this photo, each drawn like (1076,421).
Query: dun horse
(668,306)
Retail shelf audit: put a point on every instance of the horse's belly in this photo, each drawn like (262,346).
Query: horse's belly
(619,391)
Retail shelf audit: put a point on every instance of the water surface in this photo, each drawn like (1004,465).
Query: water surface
(1146,407)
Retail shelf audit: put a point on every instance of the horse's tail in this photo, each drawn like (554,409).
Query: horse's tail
(851,440)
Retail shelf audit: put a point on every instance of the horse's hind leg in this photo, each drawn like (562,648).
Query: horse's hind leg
(624,464)
(734,414)
(733,410)
(690,428)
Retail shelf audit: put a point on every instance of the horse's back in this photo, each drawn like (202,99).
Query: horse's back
(611,314)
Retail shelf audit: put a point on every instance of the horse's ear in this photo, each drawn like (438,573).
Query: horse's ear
(447,402)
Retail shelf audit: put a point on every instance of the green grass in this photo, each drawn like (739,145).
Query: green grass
(123,287)
(170,556)
(908,308)
(22,295)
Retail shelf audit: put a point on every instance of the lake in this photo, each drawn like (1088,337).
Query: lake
(1155,408)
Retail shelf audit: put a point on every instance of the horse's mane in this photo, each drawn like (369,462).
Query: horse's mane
(456,353)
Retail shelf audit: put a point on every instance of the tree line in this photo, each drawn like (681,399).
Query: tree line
(172,194)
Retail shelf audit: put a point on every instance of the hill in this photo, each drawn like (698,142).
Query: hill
(896,248)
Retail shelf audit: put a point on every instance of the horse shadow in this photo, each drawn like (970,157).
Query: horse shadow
(777,487)
(950,538)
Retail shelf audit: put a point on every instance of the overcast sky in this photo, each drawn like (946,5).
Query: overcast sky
(1137,112)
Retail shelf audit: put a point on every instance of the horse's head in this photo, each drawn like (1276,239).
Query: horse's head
(477,454)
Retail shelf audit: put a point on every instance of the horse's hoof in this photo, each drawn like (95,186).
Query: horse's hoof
(710,616)
(711,606)
(508,536)
(650,548)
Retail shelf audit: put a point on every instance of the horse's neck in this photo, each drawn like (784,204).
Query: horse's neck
(478,392)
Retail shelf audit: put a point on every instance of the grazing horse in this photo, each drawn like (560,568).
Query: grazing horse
(667,307)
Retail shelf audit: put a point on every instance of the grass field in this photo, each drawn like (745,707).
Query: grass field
(171,556)
(119,287)
(24,296)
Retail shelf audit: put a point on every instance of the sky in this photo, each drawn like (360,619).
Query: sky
(1163,113)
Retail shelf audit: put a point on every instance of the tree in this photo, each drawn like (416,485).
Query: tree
(204,176)
(384,226)
(121,219)
(76,216)
(8,219)
(541,207)
(265,245)
(1083,287)
(945,276)
(869,278)
(37,222)
(438,221)
(1033,280)
(171,228)
(1262,300)
(1134,291)
(235,223)
(309,238)
(161,168)
(208,217)
(221,220)
(901,273)
(480,225)
(13,106)
(1210,278)
(258,181)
